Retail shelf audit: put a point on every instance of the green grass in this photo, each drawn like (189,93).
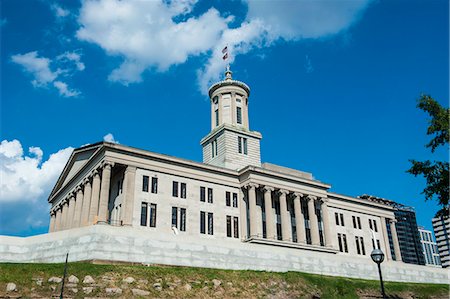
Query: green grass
(240,283)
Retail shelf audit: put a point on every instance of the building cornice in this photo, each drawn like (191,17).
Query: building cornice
(228,127)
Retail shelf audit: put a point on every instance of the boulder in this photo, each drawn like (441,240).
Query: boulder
(129,279)
(73,279)
(88,279)
(11,287)
(113,291)
(55,279)
(216,283)
(87,290)
(138,292)
(157,286)
(187,287)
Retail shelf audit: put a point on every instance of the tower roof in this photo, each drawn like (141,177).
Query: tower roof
(228,81)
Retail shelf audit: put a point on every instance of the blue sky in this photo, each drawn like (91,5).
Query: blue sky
(334,88)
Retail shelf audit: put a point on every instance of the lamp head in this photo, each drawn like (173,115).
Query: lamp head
(377,256)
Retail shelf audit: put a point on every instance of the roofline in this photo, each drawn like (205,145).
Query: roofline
(360,200)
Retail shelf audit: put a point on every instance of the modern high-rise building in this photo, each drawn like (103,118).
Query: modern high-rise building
(441,226)
(407,231)
(429,247)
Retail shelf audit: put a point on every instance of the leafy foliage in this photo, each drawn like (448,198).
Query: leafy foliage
(436,173)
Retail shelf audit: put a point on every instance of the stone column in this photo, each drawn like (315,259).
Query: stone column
(104,192)
(86,202)
(129,186)
(95,195)
(254,232)
(299,218)
(70,215)
(271,229)
(57,219)
(387,248)
(65,214)
(286,226)
(78,206)
(398,255)
(51,226)
(313,223)
(327,235)
(243,215)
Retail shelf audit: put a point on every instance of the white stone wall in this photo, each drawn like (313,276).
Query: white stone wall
(103,242)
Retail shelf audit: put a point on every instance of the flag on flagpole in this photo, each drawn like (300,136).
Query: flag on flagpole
(225,56)
(225,50)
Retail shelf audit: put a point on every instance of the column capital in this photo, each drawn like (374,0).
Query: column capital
(130,168)
(394,221)
(70,195)
(251,185)
(95,172)
(78,189)
(283,191)
(268,189)
(311,197)
(106,163)
(325,200)
(86,181)
(299,195)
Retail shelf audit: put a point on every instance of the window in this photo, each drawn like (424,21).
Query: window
(242,145)
(341,248)
(370,223)
(210,195)
(336,216)
(354,221)
(229,233)
(144,214)
(342,219)
(359,222)
(174,217)
(373,243)
(214,148)
(228,200)
(344,239)
(378,244)
(182,219)
(202,194)
(235,200)
(239,115)
(152,215)
(183,190)
(210,224)
(216,112)
(236,227)
(175,189)
(358,250)
(360,245)
(202,222)
(375,226)
(154,185)
(145,183)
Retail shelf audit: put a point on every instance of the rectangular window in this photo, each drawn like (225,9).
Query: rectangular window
(378,244)
(235,200)
(341,248)
(354,221)
(362,245)
(373,243)
(202,223)
(152,215)
(336,216)
(144,214)
(236,227)
(375,226)
(183,190)
(202,194)
(359,222)
(154,185)
(175,217)
(216,112)
(229,227)
(358,250)
(210,195)
(228,199)
(182,219)
(342,219)
(245,146)
(214,148)
(240,145)
(370,224)
(145,183)
(175,189)
(344,239)
(210,224)
(239,115)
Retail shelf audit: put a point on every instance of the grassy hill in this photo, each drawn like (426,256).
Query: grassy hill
(127,281)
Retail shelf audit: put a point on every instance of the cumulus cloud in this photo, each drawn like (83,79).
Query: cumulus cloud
(47,72)
(26,177)
(110,138)
(59,11)
(147,36)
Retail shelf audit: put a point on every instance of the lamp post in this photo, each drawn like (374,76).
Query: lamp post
(378,256)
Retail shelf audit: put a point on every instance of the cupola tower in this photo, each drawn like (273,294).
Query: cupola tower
(230,143)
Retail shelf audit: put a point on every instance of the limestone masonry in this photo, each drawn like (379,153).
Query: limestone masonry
(114,202)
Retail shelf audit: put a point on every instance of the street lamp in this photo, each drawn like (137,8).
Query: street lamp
(378,257)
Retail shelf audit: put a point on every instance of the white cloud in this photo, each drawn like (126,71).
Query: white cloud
(110,138)
(26,178)
(40,68)
(59,11)
(146,36)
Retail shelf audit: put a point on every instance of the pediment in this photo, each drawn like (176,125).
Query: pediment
(77,160)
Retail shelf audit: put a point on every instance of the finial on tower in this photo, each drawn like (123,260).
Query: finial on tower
(228,73)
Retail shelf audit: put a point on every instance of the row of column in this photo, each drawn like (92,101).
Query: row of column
(285,219)
(87,204)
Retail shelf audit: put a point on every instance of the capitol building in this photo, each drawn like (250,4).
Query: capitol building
(118,203)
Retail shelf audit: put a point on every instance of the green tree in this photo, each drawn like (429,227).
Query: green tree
(435,172)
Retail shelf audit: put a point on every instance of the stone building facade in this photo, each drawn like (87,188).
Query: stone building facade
(230,197)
